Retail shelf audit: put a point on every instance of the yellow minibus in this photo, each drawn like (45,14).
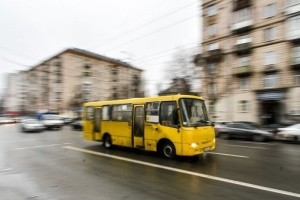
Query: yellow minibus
(170,125)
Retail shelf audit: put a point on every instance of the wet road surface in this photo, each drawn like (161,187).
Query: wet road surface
(60,165)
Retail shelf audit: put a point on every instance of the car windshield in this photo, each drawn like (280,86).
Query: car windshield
(193,112)
(52,117)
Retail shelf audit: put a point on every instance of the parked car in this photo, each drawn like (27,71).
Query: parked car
(67,120)
(31,125)
(250,123)
(52,121)
(218,125)
(77,124)
(290,133)
(6,120)
(244,131)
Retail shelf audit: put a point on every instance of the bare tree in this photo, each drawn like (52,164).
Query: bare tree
(182,69)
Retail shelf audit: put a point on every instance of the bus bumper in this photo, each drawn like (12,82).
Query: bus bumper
(193,149)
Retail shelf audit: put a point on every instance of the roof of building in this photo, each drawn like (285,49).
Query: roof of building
(92,55)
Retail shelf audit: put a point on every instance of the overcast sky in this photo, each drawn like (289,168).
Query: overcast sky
(145,33)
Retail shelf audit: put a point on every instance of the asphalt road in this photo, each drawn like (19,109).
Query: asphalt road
(60,165)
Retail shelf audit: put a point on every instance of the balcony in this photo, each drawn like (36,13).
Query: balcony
(295,64)
(243,48)
(242,26)
(241,4)
(293,35)
(292,9)
(243,71)
(215,54)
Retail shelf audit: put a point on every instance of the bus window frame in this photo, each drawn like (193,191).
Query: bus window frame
(168,122)
(121,111)
(146,110)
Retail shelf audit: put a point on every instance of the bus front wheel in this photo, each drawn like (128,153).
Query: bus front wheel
(168,150)
(107,141)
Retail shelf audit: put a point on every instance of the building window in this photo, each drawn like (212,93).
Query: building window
(270,81)
(243,61)
(242,15)
(211,30)
(243,39)
(270,58)
(297,79)
(296,55)
(211,10)
(211,68)
(211,107)
(270,10)
(244,83)
(269,34)
(292,2)
(294,23)
(212,88)
(243,106)
(213,46)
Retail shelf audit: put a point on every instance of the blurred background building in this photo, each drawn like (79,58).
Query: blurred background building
(65,81)
(250,60)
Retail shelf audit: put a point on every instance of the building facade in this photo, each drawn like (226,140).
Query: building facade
(65,81)
(14,98)
(250,60)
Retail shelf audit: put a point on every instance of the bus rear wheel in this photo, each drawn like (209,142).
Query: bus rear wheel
(168,150)
(107,142)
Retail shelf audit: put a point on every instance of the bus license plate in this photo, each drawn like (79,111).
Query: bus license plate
(207,149)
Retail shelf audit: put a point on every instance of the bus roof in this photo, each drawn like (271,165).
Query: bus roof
(142,100)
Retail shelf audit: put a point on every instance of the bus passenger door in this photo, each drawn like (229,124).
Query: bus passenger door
(138,126)
(88,126)
(97,123)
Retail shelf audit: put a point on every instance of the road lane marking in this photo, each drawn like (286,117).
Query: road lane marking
(4,170)
(40,146)
(261,143)
(7,141)
(287,193)
(231,155)
(245,146)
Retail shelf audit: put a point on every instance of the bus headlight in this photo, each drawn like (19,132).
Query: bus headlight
(194,145)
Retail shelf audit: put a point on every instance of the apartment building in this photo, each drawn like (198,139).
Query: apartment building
(250,60)
(74,76)
(14,99)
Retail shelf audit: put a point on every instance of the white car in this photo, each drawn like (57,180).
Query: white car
(290,133)
(6,120)
(52,121)
(31,125)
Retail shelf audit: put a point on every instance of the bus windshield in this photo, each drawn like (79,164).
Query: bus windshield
(194,113)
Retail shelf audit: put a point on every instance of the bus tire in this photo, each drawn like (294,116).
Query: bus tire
(168,150)
(107,143)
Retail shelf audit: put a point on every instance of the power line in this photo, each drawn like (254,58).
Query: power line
(162,54)
(14,62)
(151,33)
(144,25)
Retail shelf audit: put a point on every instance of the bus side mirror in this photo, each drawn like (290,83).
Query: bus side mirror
(155,127)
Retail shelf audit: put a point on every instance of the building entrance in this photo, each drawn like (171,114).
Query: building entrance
(270,111)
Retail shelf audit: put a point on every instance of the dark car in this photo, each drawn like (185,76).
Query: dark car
(77,124)
(218,125)
(244,131)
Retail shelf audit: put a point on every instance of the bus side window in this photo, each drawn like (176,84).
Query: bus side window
(106,112)
(169,113)
(89,113)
